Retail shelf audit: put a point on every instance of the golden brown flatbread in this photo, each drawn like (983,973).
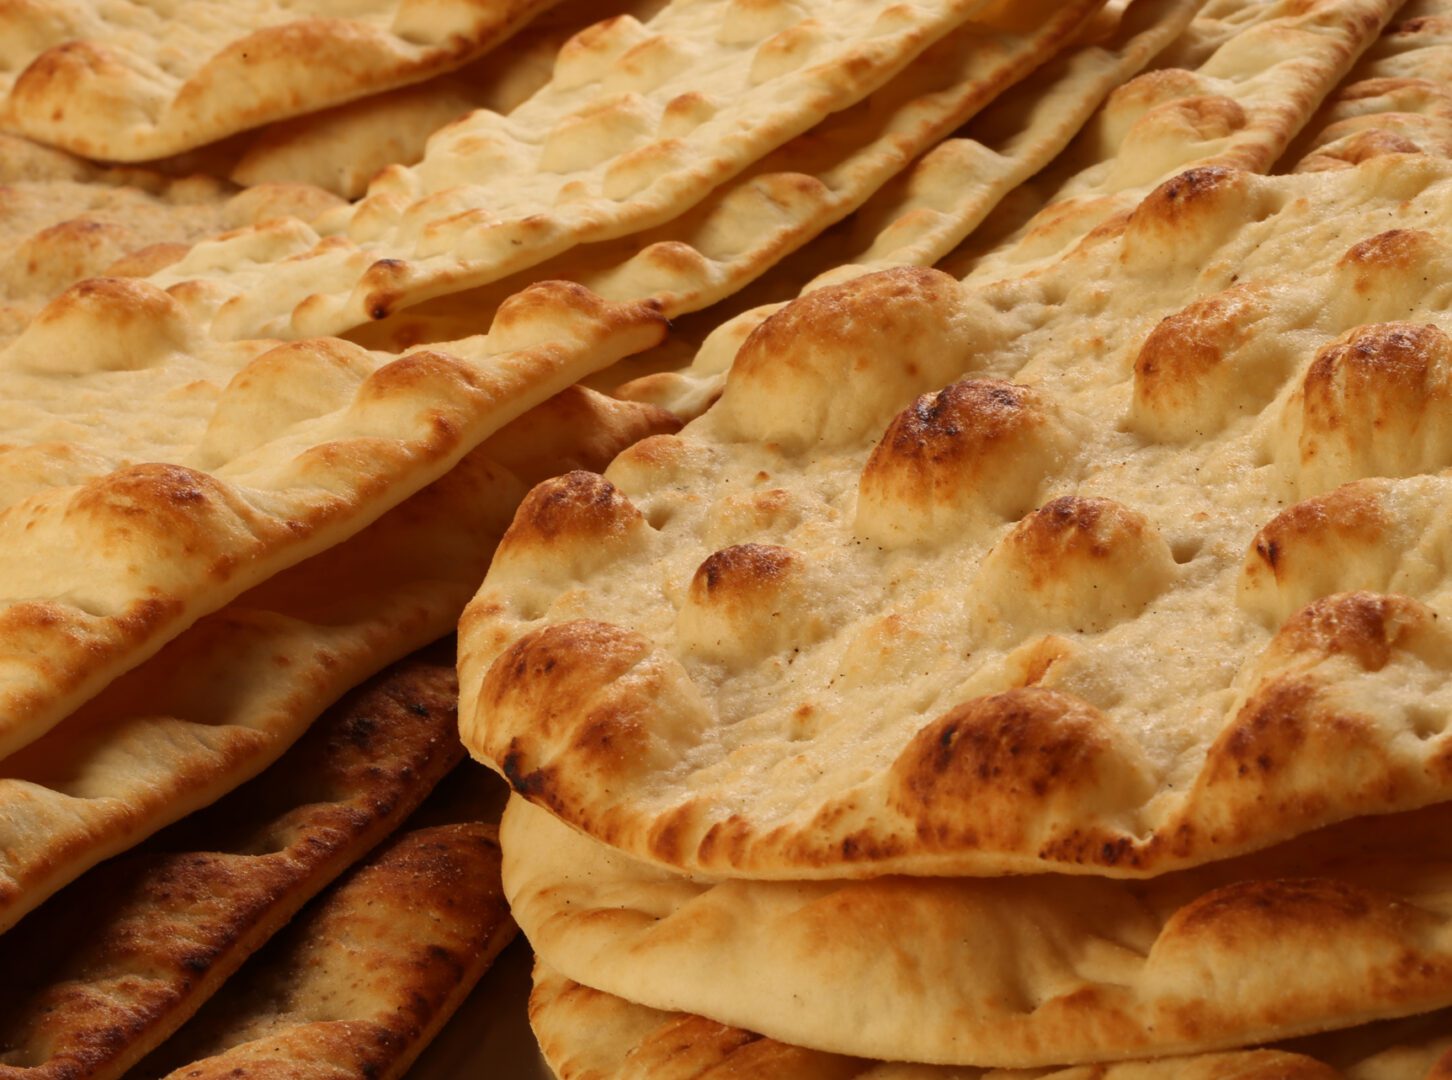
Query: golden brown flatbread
(127,81)
(110,967)
(191,472)
(961,579)
(588,1035)
(361,981)
(639,123)
(1331,930)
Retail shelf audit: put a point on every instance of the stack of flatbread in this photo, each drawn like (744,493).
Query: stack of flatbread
(1028,663)
(205,549)
(207,543)
(1038,668)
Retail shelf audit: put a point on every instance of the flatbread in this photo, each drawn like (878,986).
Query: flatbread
(361,981)
(206,894)
(1395,101)
(1270,65)
(923,214)
(56,231)
(342,148)
(780,203)
(1061,615)
(126,81)
(1331,930)
(639,123)
(1285,59)
(589,1035)
(222,701)
(745,226)
(189,473)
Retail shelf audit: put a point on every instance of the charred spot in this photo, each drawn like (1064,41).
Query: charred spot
(1192,186)
(742,567)
(1399,248)
(1069,513)
(1365,625)
(1269,728)
(931,426)
(577,504)
(523,781)
(361,728)
(1351,514)
(1021,740)
(198,963)
(1279,902)
(1072,523)
(1112,851)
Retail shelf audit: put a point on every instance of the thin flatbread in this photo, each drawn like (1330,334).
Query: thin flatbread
(127,81)
(1240,109)
(206,894)
(356,987)
(1396,101)
(1054,573)
(57,230)
(343,148)
(589,1035)
(639,123)
(788,197)
(1334,929)
(1240,106)
(923,214)
(189,472)
(222,701)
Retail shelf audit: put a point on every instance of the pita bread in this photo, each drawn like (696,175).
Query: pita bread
(209,892)
(222,701)
(189,472)
(639,123)
(588,1035)
(361,981)
(1331,930)
(128,82)
(784,644)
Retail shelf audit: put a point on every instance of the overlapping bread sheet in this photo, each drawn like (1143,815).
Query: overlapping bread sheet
(639,123)
(62,220)
(589,1035)
(1395,101)
(1242,103)
(189,472)
(130,81)
(341,148)
(230,694)
(1333,929)
(360,983)
(1240,108)
(1060,613)
(789,196)
(216,706)
(110,967)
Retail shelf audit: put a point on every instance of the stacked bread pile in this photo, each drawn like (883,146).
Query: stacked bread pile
(206,548)
(984,728)
(1038,669)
